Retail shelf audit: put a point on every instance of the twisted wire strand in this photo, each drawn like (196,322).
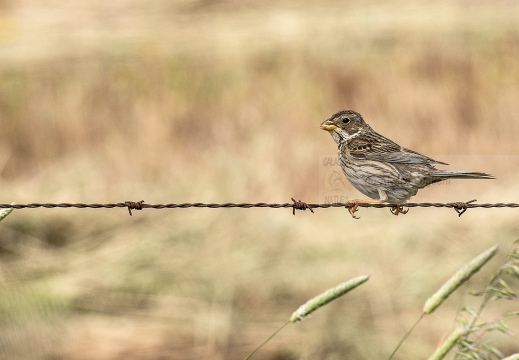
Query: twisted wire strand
(460,207)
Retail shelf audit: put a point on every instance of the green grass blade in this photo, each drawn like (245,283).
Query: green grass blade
(5,212)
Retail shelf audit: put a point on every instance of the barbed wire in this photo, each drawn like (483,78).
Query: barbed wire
(460,207)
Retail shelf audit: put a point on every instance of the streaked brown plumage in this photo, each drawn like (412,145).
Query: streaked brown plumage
(378,167)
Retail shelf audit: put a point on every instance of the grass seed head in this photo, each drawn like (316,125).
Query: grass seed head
(327,296)
(458,279)
(447,345)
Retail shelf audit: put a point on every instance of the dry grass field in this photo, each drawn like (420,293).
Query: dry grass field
(221,101)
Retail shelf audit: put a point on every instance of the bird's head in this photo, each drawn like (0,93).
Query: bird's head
(344,125)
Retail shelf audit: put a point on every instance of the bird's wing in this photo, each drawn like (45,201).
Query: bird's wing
(375,147)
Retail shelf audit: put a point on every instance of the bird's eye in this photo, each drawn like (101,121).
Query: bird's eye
(345,120)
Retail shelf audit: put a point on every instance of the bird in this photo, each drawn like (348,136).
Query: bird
(380,168)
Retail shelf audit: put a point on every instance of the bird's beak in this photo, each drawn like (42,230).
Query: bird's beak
(328,125)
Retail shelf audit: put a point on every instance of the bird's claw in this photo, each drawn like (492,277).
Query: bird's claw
(398,209)
(354,208)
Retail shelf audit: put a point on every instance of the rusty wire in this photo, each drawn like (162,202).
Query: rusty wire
(460,207)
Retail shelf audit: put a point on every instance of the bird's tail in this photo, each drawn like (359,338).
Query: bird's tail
(444,174)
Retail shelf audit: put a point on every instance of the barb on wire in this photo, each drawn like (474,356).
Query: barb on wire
(134,205)
(459,207)
(300,205)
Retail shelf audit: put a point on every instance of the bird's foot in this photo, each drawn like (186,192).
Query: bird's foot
(353,209)
(398,209)
(355,205)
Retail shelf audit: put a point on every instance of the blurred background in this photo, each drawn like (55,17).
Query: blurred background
(221,101)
